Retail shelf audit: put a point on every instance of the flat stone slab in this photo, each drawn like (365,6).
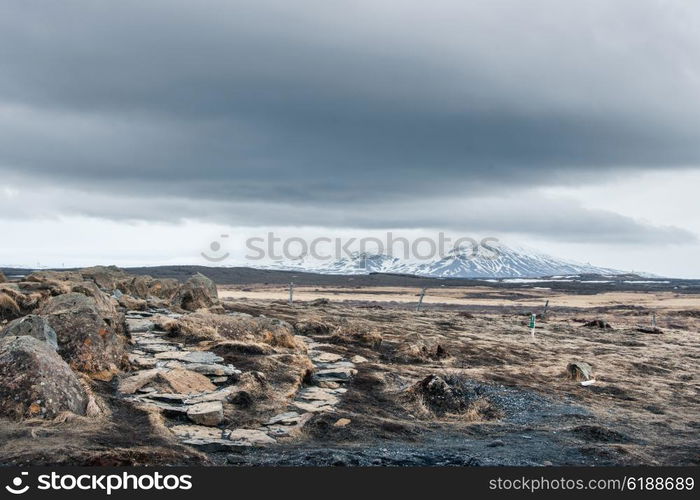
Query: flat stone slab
(168,410)
(212,369)
(217,395)
(357,359)
(339,365)
(142,361)
(210,413)
(313,406)
(133,383)
(250,437)
(139,314)
(186,381)
(153,339)
(140,325)
(336,374)
(196,432)
(325,357)
(168,398)
(191,356)
(179,381)
(288,418)
(285,427)
(327,396)
(158,347)
(211,445)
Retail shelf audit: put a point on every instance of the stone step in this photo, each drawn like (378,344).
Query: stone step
(204,357)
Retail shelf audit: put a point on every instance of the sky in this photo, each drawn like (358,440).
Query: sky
(137,133)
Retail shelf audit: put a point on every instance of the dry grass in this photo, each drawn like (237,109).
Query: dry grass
(474,296)
(201,326)
(647,385)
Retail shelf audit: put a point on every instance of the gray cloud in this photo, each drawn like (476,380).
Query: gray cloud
(528,213)
(310,112)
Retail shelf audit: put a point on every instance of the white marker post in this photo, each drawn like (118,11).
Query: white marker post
(533,318)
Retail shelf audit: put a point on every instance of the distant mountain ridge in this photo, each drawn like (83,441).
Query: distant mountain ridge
(507,262)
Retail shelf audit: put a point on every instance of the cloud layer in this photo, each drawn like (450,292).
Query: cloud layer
(370,114)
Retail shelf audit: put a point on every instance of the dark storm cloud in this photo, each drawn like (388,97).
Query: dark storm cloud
(333,106)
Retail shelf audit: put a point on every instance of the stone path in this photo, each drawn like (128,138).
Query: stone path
(189,387)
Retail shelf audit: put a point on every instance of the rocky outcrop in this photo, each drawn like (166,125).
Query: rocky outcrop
(445,396)
(89,336)
(199,292)
(131,303)
(35,381)
(32,326)
(146,287)
(579,371)
(3,278)
(51,282)
(107,278)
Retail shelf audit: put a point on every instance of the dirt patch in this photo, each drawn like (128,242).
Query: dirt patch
(598,434)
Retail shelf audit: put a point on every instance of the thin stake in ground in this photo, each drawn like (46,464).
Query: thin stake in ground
(420,300)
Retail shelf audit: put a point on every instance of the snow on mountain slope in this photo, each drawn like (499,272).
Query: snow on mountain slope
(507,262)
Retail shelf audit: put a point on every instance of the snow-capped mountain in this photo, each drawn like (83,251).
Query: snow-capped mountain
(508,262)
(505,262)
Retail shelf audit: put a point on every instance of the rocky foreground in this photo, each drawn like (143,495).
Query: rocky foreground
(100,367)
(164,345)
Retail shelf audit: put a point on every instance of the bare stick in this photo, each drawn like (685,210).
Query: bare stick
(420,301)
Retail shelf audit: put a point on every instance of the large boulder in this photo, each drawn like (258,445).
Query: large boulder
(107,278)
(32,326)
(199,292)
(52,282)
(106,305)
(36,382)
(89,339)
(146,287)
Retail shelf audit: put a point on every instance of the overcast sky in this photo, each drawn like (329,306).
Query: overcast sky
(136,132)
